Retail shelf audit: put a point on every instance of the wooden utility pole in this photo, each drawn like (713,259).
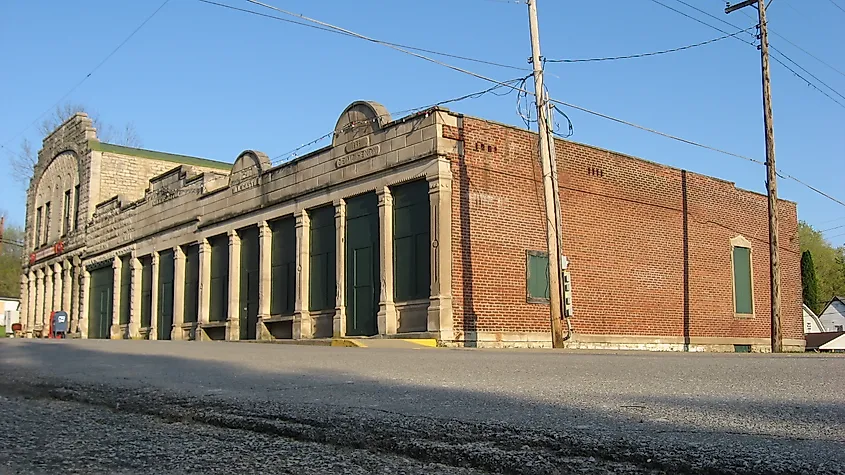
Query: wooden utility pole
(771,171)
(550,187)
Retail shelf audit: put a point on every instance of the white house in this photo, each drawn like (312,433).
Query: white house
(833,316)
(812,324)
(9,313)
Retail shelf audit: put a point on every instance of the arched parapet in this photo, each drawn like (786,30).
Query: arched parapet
(248,168)
(359,120)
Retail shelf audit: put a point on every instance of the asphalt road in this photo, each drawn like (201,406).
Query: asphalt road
(182,407)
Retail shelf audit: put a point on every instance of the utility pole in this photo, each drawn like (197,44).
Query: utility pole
(550,187)
(771,171)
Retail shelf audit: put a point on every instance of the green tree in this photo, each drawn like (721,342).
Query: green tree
(809,285)
(828,262)
(11,255)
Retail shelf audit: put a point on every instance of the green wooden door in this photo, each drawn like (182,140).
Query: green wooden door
(100,303)
(362,265)
(146,291)
(283,267)
(219,279)
(192,282)
(164,325)
(249,283)
(411,242)
(125,286)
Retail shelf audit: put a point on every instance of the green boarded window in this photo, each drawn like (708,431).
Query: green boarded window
(125,286)
(146,290)
(192,281)
(743,296)
(537,276)
(322,260)
(283,266)
(219,308)
(411,241)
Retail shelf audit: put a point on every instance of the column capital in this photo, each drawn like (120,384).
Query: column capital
(134,262)
(385,197)
(48,271)
(263,228)
(24,279)
(301,218)
(204,245)
(39,273)
(117,263)
(154,258)
(85,273)
(178,253)
(340,202)
(67,265)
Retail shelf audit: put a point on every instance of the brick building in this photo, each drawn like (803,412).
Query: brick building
(426,226)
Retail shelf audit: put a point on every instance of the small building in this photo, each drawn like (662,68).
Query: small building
(812,324)
(833,315)
(429,225)
(826,341)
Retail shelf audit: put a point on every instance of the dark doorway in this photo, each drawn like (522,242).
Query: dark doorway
(164,324)
(100,312)
(249,283)
(362,265)
(192,282)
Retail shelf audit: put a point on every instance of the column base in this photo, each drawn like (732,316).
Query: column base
(134,331)
(115,332)
(440,314)
(233,330)
(339,322)
(387,322)
(303,326)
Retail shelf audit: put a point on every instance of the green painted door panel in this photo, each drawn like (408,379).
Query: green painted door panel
(100,303)
(192,281)
(248,298)
(146,291)
(362,265)
(411,242)
(322,259)
(164,325)
(219,301)
(283,267)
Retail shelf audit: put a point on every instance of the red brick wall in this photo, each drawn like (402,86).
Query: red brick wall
(623,226)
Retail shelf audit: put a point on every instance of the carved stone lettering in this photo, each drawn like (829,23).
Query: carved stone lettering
(358,144)
(245,184)
(358,156)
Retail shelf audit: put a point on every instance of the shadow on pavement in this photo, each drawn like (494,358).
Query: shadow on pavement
(431,419)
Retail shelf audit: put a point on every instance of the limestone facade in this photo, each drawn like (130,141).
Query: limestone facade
(415,227)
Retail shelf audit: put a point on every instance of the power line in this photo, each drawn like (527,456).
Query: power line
(643,55)
(101,63)
(330,30)
(831,229)
(520,89)
(809,83)
(837,5)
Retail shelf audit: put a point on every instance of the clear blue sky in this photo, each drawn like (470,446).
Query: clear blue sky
(206,81)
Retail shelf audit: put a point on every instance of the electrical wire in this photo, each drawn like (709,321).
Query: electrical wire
(644,55)
(521,89)
(773,48)
(831,229)
(331,30)
(837,5)
(100,64)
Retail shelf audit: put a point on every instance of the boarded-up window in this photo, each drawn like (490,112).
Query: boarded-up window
(322,259)
(411,241)
(743,296)
(219,279)
(283,266)
(125,286)
(192,282)
(537,276)
(146,290)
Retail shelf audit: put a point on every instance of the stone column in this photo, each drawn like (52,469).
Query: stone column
(77,299)
(57,286)
(114,328)
(233,320)
(48,300)
(440,201)
(135,283)
(387,322)
(24,313)
(204,308)
(302,325)
(339,324)
(85,292)
(265,263)
(153,335)
(67,283)
(176,332)
(38,313)
(32,308)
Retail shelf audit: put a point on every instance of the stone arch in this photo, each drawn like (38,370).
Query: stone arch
(249,164)
(50,183)
(359,119)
